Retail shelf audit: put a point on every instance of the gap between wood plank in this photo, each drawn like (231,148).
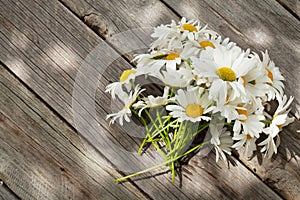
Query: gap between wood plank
(72,128)
(102,37)
(52,127)
(8,192)
(99,105)
(289,9)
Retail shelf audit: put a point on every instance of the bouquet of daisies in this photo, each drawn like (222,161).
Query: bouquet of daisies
(203,78)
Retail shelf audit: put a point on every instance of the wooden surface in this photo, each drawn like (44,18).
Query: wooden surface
(43,158)
(6,193)
(43,47)
(293,6)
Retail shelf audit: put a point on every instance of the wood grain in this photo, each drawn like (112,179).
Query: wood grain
(42,158)
(45,45)
(262,25)
(6,193)
(292,6)
(281,173)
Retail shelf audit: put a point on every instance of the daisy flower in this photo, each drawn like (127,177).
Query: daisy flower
(192,105)
(157,60)
(152,102)
(228,110)
(275,78)
(172,60)
(250,122)
(222,142)
(116,88)
(226,67)
(193,48)
(246,140)
(128,100)
(279,120)
(172,36)
(149,63)
(176,78)
(167,37)
(189,29)
(255,82)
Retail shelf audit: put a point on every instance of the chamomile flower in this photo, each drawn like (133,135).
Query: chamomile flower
(270,145)
(280,117)
(193,48)
(250,122)
(167,37)
(228,110)
(246,140)
(172,60)
(222,142)
(227,67)
(192,105)
(128,100)
(116,88)
(226,42)
(152,102)
(172,36)
(176,78)
(188,28)
(152,63)
(279,120)
(255,82)
(275,78)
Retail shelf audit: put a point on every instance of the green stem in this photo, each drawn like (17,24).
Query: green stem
(161,124)
(160,165)
(157,133)
(201,129)
(266,122)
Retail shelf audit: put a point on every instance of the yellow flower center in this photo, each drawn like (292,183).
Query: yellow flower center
(205,44)
(243,112)
(270,74)
(172,56)
(244,79)
(189,27)
(279,126)
(194,110)
(226,74)
(124,76)
(249,137)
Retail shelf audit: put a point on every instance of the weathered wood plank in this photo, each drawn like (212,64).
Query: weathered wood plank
(292,5)
(6,193)
(117,16)
(263,25)
(36,65)
(42,158)
(282,173)
(49,65)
